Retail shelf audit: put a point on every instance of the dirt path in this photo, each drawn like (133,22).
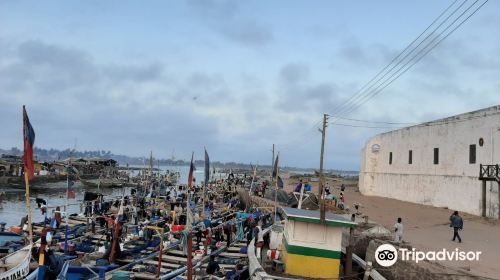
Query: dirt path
(427,228)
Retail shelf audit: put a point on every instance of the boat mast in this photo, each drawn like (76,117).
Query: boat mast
(254,174)
(28,207)
(151,164)
(276,191)
(66,209)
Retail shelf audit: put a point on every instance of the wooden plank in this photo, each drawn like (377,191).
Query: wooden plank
(177,253)
(145,276)
(174,259)
(233,255)
(222,265)
(163,264)
(234,249)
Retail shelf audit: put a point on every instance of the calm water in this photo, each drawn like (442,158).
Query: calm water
(13,205)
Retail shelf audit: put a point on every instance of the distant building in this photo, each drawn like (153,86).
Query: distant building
(436,163)
(10,165)
(94,166)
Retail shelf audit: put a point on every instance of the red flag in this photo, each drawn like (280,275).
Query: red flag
(29,141)
(191,170)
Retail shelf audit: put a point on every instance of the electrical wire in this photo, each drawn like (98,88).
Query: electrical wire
(362,98)
(358,93)
(365,121)
(366,126)
(426,124)
(415,59)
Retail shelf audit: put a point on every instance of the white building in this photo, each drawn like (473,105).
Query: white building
(436,163)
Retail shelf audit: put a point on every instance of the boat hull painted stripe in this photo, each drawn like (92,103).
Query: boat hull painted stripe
(313,252)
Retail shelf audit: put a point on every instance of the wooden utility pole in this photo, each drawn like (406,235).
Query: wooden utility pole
(321,177)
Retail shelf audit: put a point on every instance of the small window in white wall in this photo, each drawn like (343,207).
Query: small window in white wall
(390,157)
(436,155)
(472,154)
(410,157)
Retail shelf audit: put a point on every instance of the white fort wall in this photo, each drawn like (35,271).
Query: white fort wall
(453,182)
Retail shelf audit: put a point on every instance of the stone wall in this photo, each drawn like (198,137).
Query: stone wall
(448,180)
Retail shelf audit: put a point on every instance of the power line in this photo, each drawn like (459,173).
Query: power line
(362,98)
(366,126)
(415,59)
(362,95)
(381,122)
(358,93)
(445,121)
(425,124)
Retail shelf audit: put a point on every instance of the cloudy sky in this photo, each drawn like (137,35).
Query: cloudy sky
(233,76)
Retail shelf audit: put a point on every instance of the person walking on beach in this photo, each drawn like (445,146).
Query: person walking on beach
(457,224)
(398,230)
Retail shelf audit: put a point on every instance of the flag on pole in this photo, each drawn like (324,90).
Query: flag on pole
(207,168)
(280,183)
(191,170)
(275,170)
(29,141)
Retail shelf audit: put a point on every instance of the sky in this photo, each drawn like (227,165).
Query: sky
(235,77)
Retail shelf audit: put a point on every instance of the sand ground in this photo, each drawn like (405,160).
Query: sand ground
(427,228)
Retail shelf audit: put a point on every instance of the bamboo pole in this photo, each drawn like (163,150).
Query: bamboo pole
(28,207)
(276,190)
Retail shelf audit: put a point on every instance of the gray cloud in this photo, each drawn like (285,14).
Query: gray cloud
(69,95)
(133,108)
(248,33)
(294,73)
(297,90)
(224,18)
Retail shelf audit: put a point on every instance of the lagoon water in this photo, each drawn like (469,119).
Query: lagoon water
(13,205)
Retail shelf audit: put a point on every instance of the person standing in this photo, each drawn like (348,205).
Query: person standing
(259,234)
(457,223)
(398,231)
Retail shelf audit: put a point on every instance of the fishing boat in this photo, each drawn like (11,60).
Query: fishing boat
(16,265)
(10,242)
(174,261)
(103,183)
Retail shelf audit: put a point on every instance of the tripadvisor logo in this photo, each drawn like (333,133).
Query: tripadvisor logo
(387,255)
